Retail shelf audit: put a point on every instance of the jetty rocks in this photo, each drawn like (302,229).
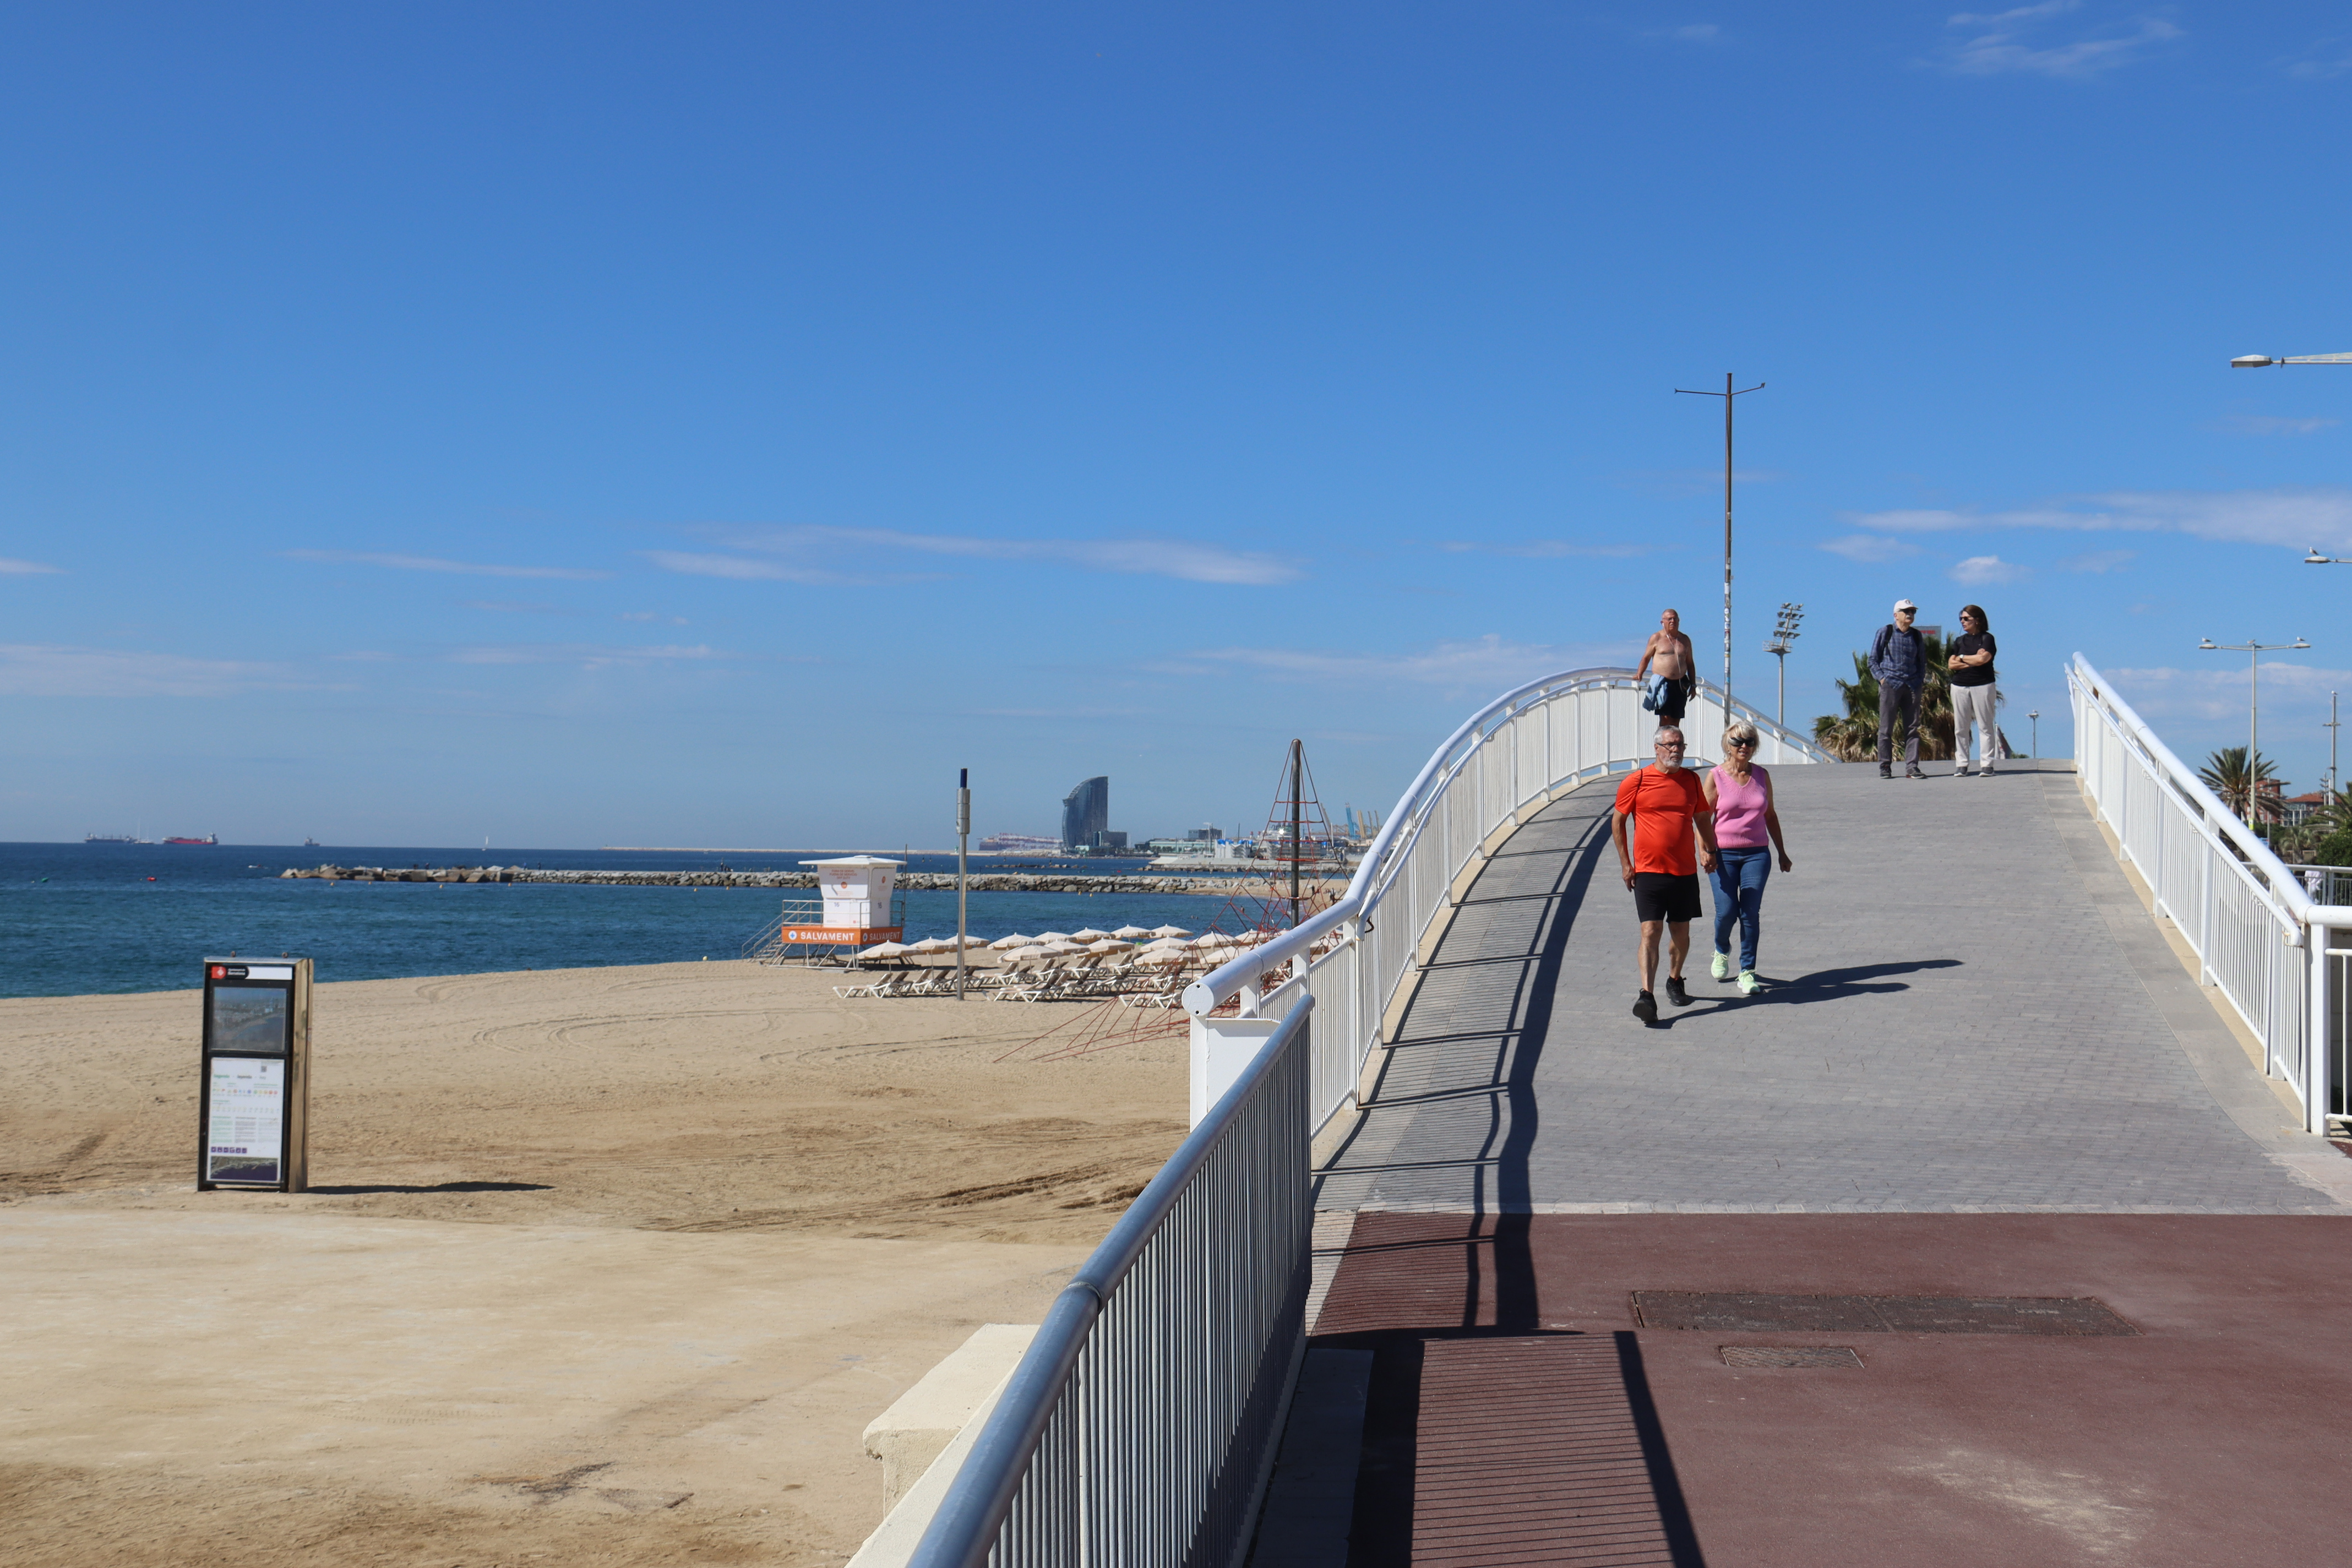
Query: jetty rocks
(990,882)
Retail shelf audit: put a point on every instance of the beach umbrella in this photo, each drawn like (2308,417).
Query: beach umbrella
(1063,949)
(1170,930)
(886,950)
(1007,943)
(1024,955)
(930,945)
(1050,937)
(1132,933)
(970,942)
(1088,934)
(1109,945)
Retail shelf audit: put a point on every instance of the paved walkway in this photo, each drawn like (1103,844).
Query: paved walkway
(1981,1072)
(1969,1011)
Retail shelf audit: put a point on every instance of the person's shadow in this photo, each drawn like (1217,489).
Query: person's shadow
(1821,985)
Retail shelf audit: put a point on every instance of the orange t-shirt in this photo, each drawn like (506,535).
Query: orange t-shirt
(1662,807)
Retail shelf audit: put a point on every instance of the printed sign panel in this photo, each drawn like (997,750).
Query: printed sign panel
(251,1017)
(245,1125)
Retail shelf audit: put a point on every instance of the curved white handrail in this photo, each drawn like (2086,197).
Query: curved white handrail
(1395,838)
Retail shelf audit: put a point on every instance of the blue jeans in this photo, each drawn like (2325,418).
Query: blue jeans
(1739,878)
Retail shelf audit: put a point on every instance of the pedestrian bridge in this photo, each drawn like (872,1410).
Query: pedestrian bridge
(2065,1033)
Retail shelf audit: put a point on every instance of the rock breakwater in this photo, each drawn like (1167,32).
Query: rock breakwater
(990,882)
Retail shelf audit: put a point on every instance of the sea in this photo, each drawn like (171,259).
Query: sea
(79,919)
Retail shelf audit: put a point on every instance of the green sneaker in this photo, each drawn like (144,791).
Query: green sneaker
(1748,984)
(1721,967)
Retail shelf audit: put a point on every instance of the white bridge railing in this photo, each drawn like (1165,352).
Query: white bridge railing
(2253,927)
(1517,754)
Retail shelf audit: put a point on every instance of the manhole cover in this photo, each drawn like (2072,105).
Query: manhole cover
(1790,1355)
(1753,1312)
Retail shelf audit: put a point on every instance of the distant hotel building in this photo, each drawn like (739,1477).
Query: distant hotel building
(1085,813)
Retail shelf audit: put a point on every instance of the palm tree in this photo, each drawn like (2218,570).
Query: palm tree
(2225,772)
(1853,736)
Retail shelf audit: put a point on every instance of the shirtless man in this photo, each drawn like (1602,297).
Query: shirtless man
(1668,654)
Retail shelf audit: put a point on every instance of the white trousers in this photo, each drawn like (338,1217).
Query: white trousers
(1972,710)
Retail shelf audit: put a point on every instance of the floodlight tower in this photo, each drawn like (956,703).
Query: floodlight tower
(1784,632)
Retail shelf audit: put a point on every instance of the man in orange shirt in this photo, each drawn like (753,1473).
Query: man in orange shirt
(1666,802)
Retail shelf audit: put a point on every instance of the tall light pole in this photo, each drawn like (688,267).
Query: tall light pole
(1784,632)
(963,842)
(2253,651)
(1730,397)
(2333,725)
(2033,746)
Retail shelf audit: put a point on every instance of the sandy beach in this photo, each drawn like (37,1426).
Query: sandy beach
(600,1265)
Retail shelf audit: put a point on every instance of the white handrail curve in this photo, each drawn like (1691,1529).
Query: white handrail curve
(1395,840)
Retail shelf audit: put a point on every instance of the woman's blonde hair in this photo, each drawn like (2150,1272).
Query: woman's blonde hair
(1739,730)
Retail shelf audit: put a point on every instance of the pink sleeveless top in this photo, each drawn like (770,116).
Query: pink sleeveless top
(1739,810)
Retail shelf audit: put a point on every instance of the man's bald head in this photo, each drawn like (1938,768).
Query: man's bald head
(1672,620)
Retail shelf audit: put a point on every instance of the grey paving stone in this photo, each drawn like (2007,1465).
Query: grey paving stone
(1965,1014)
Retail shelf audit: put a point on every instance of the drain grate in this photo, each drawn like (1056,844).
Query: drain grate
(1752,1313)
(1790,1355)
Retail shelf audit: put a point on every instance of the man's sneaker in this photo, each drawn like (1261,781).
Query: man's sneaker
(1676,994)
(1959,772)
(1748,984)
(1885,771)
(1721,967)
(1913,773)
(1646,1007)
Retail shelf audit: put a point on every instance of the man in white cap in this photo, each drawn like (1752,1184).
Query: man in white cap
(1898,658)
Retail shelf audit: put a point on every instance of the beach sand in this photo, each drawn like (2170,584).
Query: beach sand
(600,1265)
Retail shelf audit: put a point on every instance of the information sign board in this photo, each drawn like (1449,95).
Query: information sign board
(252,1120)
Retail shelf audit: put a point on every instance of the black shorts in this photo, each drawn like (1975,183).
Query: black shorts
(1673,700)
(1663,896)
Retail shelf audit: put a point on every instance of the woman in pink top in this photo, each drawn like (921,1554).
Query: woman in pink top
(1746,836)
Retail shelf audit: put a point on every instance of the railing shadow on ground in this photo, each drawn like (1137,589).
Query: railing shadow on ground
(1484,1288)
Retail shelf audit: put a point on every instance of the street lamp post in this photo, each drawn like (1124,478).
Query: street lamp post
(1730,397)
(2333,726)
(2253,651)
(2033,746)
(1784,632)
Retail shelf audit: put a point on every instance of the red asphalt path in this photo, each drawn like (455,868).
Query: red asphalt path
(1519,1414)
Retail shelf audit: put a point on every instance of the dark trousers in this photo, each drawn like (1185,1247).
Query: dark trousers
(1898,705)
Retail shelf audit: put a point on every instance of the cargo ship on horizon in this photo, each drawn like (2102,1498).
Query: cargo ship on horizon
(213,839)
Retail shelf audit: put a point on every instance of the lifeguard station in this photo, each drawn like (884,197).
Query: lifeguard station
(857,905)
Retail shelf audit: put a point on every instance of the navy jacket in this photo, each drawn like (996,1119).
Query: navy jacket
(1899,658)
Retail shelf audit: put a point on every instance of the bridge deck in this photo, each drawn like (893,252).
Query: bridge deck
(1981,1072)
(1969,1011)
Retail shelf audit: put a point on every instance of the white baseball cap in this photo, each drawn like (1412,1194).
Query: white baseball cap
(1906,605)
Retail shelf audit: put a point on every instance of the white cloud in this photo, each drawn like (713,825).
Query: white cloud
(1978,570)
(805,549)
(2293,517)
(39,670)
(2098,560)
(2274,425)
(2218,691)
(2002,45)
(744,568)
(1488,662)
(1548,549)
(433,564)
(26,568)
(1697,33)
(653,615)
(588,656)
(1869,549)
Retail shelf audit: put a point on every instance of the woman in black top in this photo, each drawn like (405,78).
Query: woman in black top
(1973,693)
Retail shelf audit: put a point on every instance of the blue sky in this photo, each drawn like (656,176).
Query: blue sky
(708,425)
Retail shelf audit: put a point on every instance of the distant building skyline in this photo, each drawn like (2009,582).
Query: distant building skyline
(1085,813)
